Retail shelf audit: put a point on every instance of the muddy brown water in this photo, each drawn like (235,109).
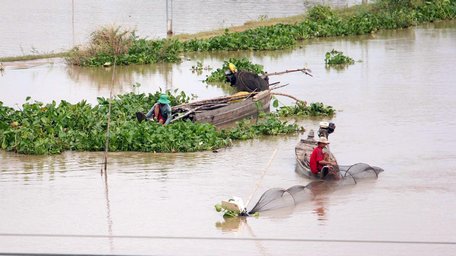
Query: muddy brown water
(395,110)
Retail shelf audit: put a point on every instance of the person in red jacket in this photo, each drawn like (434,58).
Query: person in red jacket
(320,164)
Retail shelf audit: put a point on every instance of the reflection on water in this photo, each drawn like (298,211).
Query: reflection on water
(57,81)
(108,210)
(125,77)
(35,169)
(231,224)
(320,209)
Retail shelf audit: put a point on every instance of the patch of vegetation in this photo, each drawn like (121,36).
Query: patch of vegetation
(34,57)
(337,58)
(226,212)
(268,124)
(199,67)
(301,109)
(109,43)
(39,128)
(241,64)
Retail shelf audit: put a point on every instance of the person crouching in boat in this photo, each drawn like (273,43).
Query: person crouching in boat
(320,164)
(246,81)
(161,111)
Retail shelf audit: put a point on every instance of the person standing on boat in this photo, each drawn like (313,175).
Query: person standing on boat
(161,111)
(246,81)
(320,164)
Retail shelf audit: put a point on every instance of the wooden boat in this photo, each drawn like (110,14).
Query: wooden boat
(224,110)
(303,150)
(353,172)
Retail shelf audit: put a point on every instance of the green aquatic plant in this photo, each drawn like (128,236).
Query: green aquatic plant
(39,128)
(301,109)
(269,124)
(337,58)
(199,67)
(52,128)
(226,212)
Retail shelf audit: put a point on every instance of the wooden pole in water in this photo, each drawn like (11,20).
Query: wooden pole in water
(169,17)
(105,167)
(72,18)
(119,41)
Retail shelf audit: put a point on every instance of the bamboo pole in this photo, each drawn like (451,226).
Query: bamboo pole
(277,87)
(289,96)
(119,46)
(223,99)
(72,20)
(186,114)
(304,70)
(105,164)
(169,17)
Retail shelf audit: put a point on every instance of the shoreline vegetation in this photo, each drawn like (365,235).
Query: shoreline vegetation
(270,34)
(319,21)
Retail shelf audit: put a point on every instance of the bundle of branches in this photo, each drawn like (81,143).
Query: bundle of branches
(189,108)
(220,101)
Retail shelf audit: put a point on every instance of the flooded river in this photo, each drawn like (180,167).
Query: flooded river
(31,27)
(395,110)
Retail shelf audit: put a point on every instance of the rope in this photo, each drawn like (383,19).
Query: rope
(261,178)
(272,239)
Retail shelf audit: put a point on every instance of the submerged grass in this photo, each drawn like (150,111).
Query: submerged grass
(34,57)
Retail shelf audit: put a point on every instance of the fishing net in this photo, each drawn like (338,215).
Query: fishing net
(359,171)
(276,198)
